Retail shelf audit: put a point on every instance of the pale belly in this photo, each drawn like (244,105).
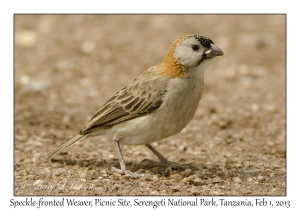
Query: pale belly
(170,119)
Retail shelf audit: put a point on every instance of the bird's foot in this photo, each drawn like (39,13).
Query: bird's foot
(129,173)
(167,164)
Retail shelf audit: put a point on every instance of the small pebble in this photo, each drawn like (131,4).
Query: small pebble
(237,179)
(198,181)
(195,190)
(82,174)
(60,171)
(260,178)
(154,193)
(176,176)
(186,172)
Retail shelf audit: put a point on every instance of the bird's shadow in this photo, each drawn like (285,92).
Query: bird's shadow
(143,166)
(149,166)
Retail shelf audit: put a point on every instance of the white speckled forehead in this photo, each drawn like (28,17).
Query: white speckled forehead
(203,40)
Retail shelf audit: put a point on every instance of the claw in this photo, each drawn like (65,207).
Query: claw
(163,160)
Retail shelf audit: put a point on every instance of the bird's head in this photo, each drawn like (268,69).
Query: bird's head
(195,49)
(188,52)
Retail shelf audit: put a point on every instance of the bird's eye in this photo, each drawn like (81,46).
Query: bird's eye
(195,47)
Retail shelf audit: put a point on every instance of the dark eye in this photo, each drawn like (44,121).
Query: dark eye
(195,47)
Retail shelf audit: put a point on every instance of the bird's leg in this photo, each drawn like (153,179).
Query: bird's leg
(163,160)
(122,164)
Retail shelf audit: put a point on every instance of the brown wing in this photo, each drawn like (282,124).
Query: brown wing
(142,97)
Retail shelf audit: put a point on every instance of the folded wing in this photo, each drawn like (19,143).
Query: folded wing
(143,96)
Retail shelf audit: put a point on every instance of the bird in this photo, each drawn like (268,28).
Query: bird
(159,103)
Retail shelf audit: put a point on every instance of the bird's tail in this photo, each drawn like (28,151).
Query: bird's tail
(66,145)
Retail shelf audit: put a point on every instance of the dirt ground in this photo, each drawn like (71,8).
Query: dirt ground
(67,66)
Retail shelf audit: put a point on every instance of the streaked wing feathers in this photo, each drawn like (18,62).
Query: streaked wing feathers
(142,97)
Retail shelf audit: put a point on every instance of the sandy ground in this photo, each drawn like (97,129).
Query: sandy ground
(67,66)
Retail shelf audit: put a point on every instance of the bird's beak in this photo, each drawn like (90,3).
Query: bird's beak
(213,51)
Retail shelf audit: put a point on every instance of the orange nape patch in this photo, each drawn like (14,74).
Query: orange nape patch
(170,66)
